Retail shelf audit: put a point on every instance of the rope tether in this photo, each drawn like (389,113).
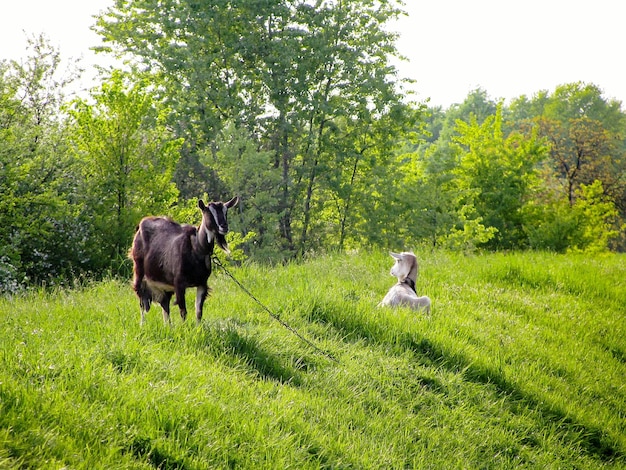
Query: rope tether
(219,264)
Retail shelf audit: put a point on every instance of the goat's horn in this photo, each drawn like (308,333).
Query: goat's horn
(232,202)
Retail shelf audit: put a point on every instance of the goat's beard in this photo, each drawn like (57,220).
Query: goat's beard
(221,242)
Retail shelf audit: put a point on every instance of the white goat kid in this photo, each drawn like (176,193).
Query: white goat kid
(403,293)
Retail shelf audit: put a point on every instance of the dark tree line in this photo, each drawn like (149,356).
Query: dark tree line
(294,107)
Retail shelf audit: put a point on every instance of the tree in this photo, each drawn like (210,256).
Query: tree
(40,240)
(580,151)
(496,173)
(249,173)
(598,219)
(587,139)
(549,221)
(359,180)
(577,100)
(297,77)
(523,110)
(126,157)
(585,133)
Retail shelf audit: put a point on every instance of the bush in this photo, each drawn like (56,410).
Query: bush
(598,217)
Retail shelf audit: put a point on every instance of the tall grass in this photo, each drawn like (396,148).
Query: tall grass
(520,365)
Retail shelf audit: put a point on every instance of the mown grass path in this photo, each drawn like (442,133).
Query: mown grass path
(522,364)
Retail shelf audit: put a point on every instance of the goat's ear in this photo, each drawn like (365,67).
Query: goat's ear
(232,202)
(201,204)
(395,255)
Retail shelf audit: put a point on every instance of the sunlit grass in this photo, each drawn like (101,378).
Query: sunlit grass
(521,364)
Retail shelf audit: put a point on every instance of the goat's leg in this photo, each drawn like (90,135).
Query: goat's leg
(180,301)
(141,289)
(145,299)
(201,295)
(165,305)
(138,275)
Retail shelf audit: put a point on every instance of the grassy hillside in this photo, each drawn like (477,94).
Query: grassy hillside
(521,364)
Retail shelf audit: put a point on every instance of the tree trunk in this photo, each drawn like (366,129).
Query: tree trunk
(285,206)
(346,206)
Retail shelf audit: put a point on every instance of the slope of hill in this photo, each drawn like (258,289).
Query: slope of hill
(520,364)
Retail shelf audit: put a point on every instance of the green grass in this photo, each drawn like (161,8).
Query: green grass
(521,364)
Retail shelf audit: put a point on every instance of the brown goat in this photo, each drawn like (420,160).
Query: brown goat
(169,257)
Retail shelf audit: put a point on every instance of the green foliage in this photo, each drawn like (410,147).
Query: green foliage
(249,172)
(598,218)
(496,171)
(471,234)
(583,134)
(295,108)
(436,198)
(126,159)
(520,365)
(551,225)
(577,100)
(586,135)
(590,225)
(309,88)
(477,105)
(40,240)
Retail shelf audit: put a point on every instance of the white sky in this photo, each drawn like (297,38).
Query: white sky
(506,47)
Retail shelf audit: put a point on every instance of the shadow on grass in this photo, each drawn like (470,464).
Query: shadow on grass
(144,449)
(226,338)
(230,339)
(593,440)
(617,353)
